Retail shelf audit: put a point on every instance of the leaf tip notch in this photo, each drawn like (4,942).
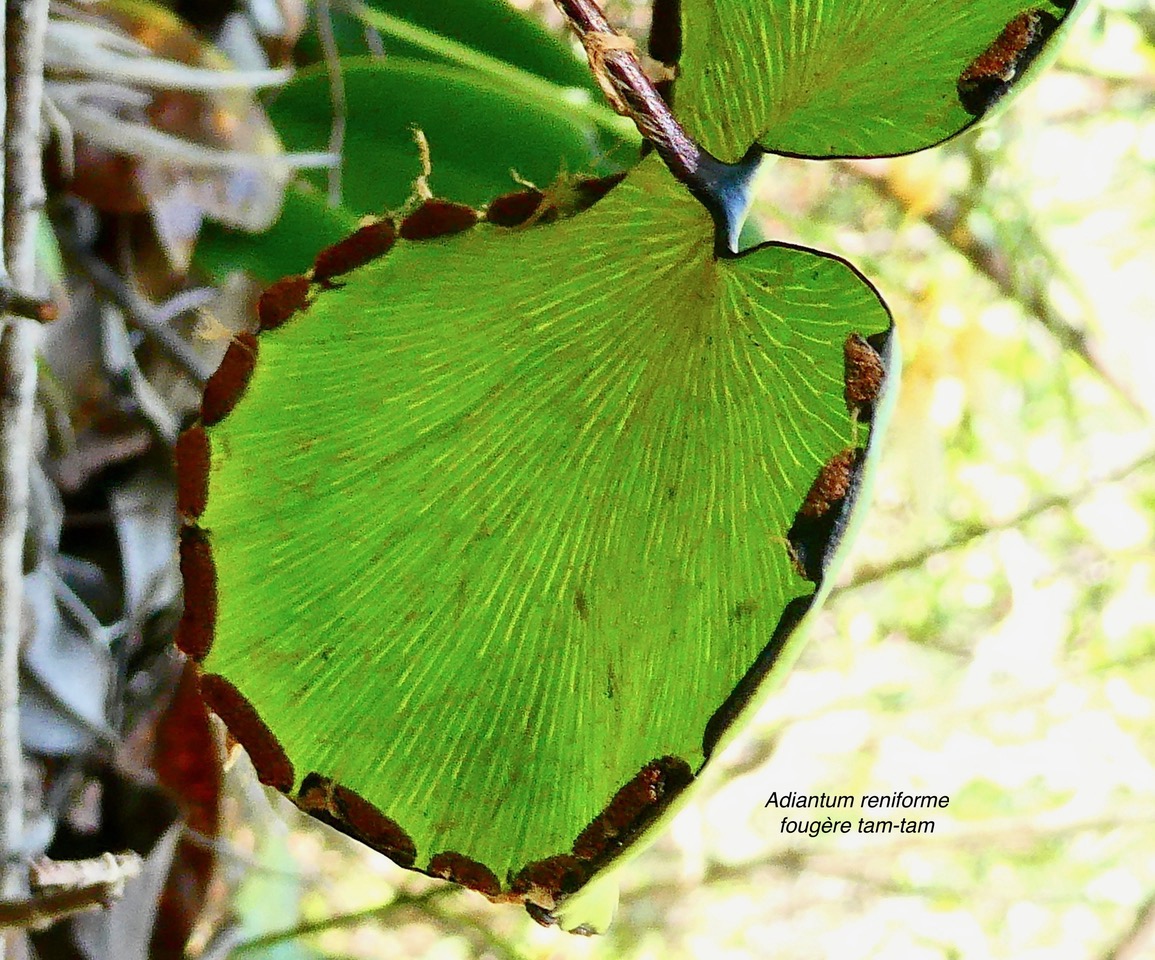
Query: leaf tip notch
(725,190)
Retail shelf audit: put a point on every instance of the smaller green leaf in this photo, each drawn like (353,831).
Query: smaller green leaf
(817,79)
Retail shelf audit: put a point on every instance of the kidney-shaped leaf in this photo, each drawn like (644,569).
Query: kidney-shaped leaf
(505,530)
(827,78)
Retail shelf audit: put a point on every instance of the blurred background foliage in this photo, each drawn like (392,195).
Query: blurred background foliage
(991,638)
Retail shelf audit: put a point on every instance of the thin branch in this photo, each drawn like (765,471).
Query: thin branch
(155,319)
(259,943)
(966,535)
(614,61)
(64,888)
(493,941)
(1138,940)
(25,25)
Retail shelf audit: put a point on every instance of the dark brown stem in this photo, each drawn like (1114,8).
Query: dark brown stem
(615,63)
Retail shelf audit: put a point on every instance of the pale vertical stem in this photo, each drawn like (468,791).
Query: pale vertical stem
(332,54)
(24,28)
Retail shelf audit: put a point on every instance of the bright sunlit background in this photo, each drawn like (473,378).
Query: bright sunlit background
(993,636)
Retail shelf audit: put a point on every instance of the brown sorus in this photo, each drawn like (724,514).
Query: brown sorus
(194,634)
(437,218)
(355,816)
(359,248)
(999,59)
(225,387)
(268,756)
(863,372)
(469,873)
(831,484)
(372,827)
(280,301)
(633,806)
(192,471)
(592,189)
(514,209)
(551,878)
(989,75)
(315,795)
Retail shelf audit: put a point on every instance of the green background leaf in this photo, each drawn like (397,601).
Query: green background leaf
(479,132)
(492,27)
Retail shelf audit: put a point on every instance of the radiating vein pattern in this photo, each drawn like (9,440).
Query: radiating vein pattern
(823,78)
(503,519)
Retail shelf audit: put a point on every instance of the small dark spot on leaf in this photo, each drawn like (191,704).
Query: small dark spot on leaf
(437,218)
(469,873)
(268,756)
(743,609)
(581,604)
(281,300)
(671,493)
(359,248)
(226,386)
(194,634)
